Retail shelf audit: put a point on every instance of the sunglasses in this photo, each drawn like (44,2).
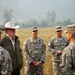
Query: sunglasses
(35,31)
(59,31)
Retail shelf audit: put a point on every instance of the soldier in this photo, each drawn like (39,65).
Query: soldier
(34,53)
(68,57)
(5,61)
(55,46)
(12,44)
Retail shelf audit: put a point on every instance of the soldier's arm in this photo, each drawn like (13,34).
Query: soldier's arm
(43,52)
(62,62)
(25,53)
(6,65)
(51,47)
(66,64)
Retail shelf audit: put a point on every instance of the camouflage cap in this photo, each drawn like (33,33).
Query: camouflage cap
(70,27)
(58,28)
(33,28)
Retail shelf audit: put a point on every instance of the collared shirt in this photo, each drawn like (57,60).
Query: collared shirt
(12,41)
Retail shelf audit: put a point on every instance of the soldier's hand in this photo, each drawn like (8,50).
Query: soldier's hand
(34,63)
(38,63)
(59,52)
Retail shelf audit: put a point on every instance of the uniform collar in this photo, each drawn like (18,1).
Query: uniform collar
(32,40)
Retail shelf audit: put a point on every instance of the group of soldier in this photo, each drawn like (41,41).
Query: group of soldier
(34,52)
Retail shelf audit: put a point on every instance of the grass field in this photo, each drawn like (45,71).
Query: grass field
(45,34)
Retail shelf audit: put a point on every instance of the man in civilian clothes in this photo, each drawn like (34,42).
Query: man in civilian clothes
(11,43)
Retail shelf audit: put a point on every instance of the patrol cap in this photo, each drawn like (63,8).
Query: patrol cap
(58,28)
(70,27)
(33,28)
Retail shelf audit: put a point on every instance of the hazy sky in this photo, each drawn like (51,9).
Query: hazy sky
(26,9)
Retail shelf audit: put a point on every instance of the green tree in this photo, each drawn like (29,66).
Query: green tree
(44,23)
(64,22)
(59,23)
(67,22)
(48,17)
(7,15)
(51,17)
(32,22)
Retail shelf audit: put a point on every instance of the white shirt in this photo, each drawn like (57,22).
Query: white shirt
(12,41)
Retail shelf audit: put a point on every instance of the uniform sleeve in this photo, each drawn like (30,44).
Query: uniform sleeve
(66,63)
(25,53)
(43,52)
(6,66)
(51,47)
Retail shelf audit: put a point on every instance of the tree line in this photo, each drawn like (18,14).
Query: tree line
(50,20)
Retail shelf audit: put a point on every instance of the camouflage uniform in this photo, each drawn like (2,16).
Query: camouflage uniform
(54,45)
(5,62)
(68,60)
(34,51)
(68,57)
